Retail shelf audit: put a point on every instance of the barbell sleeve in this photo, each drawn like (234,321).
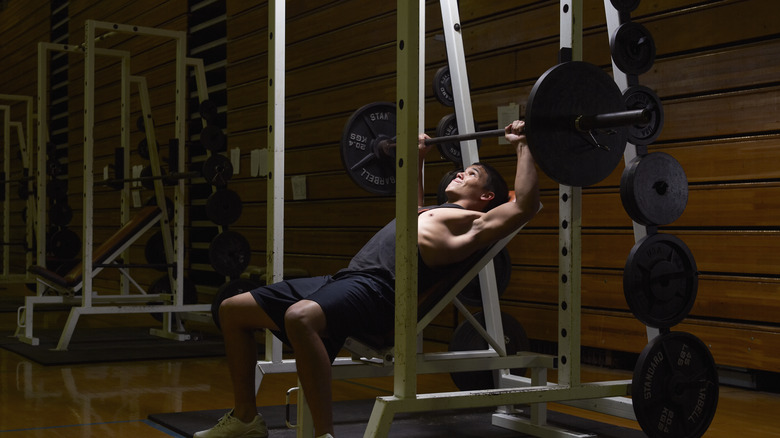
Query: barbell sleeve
(586,123)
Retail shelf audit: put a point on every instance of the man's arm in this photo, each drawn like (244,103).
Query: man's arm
(422,150)
(506,218)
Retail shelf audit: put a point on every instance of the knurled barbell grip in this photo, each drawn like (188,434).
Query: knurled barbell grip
(464,137)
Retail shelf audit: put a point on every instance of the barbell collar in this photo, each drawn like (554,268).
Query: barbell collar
(587,123)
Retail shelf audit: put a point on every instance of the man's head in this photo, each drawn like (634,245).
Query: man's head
(479,184)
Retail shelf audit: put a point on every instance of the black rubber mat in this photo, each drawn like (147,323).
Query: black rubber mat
(351,417)
(111,345)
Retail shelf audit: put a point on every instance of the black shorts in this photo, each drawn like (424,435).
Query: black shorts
(353,305)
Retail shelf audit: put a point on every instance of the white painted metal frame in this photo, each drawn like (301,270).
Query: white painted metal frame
(174,245)
(25,138)
(606,397)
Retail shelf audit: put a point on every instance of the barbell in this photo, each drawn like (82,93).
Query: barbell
(577,126)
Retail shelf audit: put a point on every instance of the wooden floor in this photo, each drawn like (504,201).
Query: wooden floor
(114,399)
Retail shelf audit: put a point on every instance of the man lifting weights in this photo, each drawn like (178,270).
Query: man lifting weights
(316,315)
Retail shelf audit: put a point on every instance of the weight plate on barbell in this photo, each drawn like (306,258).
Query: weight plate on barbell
(229,253)
(471,294)
(217,170)
(448,125)
(675,387)
(625,5)
(641,97)
(466,338)
(223,207)
(227,290)
(442,86)
(654,189)
(369,166)
(660,280)
(565,154)
(633,48)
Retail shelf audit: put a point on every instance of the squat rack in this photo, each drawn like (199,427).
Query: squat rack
(24,134)
(606,397)
(124,303)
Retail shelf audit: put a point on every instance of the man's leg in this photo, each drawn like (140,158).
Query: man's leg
(305,323)
(240,318)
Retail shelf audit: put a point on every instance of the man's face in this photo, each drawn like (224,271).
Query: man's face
(469,184)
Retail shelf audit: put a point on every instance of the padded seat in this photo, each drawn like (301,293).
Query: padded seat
(101,254)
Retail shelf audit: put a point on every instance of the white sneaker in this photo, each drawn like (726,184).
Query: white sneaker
(327,435)
(231,427)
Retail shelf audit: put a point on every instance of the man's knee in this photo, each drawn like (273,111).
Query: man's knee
(304,316)
(243,311)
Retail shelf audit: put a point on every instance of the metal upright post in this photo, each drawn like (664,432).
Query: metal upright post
(276,108)
(621,79)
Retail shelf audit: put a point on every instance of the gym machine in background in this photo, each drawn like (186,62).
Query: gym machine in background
(75,288)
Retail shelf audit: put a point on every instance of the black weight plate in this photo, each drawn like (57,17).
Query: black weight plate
(442,86)
(566,155)
(154,251)
(641,97)
(60,213)
(229,253)
(64,244)
(448,125)
(654,189)
(224,207)
(675,387)
(163,286)
(57,189)
(369,167)
(140,124)
(168,204)
(217,170)
(208,111)
(212,138)
(146,172)
(660,281)
(633,48)
(143,149)
(230,289)
(471,294)
(466,338)
(625,6)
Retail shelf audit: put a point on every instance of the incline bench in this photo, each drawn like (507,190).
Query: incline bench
(107,252)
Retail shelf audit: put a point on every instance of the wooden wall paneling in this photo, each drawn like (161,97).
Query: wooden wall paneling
(731,344)
(759,298)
